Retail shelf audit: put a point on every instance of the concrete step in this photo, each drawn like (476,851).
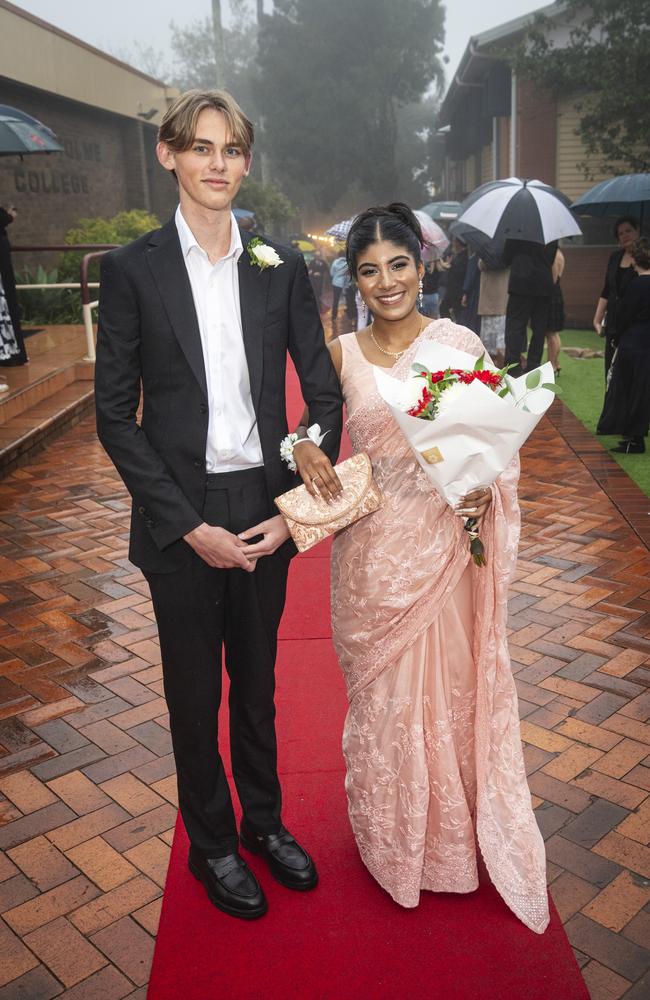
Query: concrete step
(48,414)
(23,397)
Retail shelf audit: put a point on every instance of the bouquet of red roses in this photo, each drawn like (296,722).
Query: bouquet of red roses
(464,421)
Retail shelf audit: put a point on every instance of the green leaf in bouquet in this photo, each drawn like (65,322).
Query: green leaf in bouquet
(503,392)
(533,379)
(480,363)
(552,387)
(420,369)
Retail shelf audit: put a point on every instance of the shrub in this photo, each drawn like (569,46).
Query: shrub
(41,307)
(273,211)
(122,228)
(64,305)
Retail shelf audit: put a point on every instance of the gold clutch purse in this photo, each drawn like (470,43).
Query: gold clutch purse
(310,519)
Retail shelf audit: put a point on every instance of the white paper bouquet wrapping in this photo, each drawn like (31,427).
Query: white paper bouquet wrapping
(476,433)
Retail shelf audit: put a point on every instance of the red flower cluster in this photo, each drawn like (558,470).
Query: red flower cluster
(421,406)
(489,378)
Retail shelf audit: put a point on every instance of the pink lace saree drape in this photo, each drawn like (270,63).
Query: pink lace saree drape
(431,739)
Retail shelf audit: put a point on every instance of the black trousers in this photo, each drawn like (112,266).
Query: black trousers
(522,310)
(199,610)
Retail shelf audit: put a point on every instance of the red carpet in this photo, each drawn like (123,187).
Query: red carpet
(346,939)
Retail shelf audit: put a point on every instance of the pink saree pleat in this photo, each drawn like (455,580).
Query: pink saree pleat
(431,739)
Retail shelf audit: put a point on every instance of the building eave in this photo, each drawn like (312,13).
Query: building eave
(19,12)
(477,56)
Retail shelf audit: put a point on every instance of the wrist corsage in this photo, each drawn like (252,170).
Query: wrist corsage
(291,440)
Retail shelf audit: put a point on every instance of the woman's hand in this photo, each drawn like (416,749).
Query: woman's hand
(316,471)
(475,504)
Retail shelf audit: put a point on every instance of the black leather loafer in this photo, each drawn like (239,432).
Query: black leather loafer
(288,862)
(230,884)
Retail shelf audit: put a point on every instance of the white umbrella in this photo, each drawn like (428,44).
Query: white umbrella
(435,239)
(520,210)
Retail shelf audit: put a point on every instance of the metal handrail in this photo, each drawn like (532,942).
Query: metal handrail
(93,250)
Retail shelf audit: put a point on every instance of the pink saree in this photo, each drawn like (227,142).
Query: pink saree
(431,738)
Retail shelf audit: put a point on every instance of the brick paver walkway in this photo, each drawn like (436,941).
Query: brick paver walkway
(87,791)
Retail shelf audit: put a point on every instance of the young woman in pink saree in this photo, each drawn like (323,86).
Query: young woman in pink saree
(431,739)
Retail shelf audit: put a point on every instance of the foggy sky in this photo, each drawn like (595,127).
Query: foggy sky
(148,21)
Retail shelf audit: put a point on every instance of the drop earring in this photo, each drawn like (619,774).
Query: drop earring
(421,294)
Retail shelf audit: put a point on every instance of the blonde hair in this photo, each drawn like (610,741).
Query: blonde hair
(178,128)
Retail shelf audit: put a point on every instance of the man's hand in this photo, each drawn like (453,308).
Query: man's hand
(598,327)
(316,471)
(475,504)
(275,532)
(220,548)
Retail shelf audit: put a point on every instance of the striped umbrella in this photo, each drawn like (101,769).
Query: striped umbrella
(520,210)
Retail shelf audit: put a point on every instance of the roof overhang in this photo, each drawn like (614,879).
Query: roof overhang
(482,52)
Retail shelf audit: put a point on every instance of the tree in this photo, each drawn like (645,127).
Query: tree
(414,151)
(195,63)
(332,80)
(604,63)
(273,211)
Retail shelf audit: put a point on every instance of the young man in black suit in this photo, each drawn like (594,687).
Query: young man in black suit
(200,321)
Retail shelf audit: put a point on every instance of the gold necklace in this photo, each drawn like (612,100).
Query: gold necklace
(391,354)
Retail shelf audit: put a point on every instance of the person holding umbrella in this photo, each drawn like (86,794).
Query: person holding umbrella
(12,345)
(531,216)
(530,288)
(20,135)
(619,274)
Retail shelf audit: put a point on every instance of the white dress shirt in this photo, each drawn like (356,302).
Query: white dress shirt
(233,439)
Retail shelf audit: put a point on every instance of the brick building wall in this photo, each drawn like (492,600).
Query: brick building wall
(582,282)
(537,134)
(108,166)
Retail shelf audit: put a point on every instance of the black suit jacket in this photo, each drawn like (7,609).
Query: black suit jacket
(149,345)
(530,267)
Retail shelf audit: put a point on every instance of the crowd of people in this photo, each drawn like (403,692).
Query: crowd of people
(500,292)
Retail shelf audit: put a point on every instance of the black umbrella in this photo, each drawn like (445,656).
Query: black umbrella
(21,134)
(442,211)
(490,251)
(520,210)
(626,194)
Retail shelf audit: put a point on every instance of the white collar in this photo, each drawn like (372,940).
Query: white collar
(188,240)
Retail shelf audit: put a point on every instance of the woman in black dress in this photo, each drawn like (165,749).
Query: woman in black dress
(619,273)
(626,410)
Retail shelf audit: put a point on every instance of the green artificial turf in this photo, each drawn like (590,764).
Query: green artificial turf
(583,388)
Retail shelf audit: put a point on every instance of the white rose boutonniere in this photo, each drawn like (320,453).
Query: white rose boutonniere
(263,255)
